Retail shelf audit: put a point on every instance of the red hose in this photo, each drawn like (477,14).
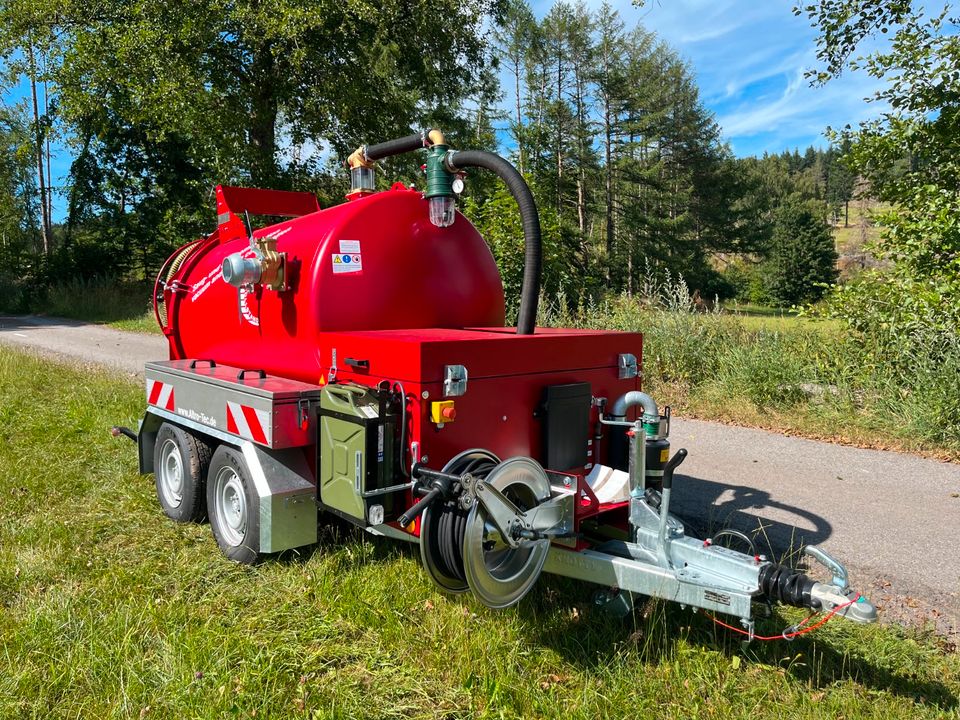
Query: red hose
(799,629)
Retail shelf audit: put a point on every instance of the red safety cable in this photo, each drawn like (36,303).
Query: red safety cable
(788,635)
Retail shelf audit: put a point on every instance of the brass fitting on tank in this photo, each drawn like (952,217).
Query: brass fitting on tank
(267,267)
(362,173)
(272,265)
(358,159)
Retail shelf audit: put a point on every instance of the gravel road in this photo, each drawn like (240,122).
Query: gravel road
(893,518)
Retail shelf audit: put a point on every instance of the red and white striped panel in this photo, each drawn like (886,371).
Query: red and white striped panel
(160,394)
(248,422)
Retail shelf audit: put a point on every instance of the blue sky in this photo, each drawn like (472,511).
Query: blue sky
(749,57)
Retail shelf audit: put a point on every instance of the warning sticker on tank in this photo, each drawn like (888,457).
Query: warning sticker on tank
(350,246)
(347,263)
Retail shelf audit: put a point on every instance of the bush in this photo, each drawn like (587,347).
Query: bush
(714,360)
(747,282)
(766,371)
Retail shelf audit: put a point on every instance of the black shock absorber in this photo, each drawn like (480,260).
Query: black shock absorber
(779,583)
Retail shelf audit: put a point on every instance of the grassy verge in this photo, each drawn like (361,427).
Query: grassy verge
(784,373)
(108,610)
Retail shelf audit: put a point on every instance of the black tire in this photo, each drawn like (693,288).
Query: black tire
(180,462)
(233,506)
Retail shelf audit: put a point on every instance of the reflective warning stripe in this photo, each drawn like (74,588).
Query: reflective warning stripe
(160,394)
(248,422)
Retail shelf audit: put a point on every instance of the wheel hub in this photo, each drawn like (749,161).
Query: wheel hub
(171,474)
(231,506)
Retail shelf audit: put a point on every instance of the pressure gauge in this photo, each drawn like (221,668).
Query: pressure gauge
(457,185)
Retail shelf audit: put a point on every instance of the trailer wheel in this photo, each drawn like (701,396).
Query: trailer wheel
(180,462)
(233,506)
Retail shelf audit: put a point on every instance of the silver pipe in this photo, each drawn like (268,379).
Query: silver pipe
(637,466)
(651,413)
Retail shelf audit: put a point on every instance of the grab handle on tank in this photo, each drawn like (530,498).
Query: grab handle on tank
(240,375)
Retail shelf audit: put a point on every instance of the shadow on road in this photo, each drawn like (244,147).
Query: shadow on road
(708,506)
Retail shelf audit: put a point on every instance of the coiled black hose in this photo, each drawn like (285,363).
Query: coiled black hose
(533,253)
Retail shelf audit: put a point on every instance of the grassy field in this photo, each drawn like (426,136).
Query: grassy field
(125,306)
(108,610)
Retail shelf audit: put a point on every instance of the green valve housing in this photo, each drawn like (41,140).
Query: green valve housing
(439,179)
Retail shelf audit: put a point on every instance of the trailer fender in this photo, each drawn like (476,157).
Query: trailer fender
(288,506)
(146,440)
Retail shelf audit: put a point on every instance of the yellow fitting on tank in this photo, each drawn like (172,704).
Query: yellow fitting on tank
(436,137)
(358,158)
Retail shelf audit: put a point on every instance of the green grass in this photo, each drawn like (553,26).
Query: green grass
(108,610)
(758,318)
(125,306)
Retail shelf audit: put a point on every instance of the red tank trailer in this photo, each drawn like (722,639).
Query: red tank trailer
(354,362)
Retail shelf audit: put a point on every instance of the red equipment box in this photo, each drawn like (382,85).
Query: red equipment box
(507,376)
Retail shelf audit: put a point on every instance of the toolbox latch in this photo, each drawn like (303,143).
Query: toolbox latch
(627,366)
(454,380)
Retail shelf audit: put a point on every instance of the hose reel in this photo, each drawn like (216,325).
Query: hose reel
(463,543)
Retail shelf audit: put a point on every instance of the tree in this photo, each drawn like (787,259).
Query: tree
(164,100)
(840,180)
(18,197)
(802,259)
(513,38)
(611,92)
(910,156)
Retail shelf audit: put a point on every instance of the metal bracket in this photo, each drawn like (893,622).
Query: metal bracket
(454,380)
(548,519)
(332,373)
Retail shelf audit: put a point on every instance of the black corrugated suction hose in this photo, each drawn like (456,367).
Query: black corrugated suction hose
(533,253)
(394,147)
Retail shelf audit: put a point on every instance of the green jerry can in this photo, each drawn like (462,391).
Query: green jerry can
(357,446)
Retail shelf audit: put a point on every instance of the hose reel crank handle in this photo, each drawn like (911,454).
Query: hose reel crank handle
(441,485)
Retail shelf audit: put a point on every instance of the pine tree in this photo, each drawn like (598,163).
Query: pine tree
(802,256)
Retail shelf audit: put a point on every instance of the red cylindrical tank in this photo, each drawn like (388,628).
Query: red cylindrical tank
(373,263)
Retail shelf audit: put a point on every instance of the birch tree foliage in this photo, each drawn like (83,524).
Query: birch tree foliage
(910,155)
